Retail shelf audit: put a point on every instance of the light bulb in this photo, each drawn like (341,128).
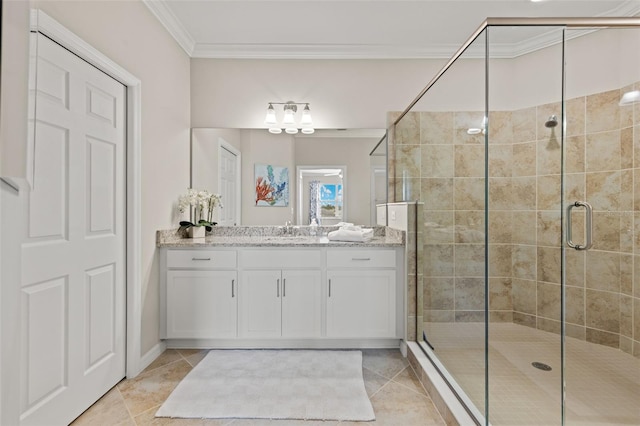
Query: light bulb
(289,117)
(630,97)
(306,116)
(270,119)
(291,130)
(307,130)
(275,130)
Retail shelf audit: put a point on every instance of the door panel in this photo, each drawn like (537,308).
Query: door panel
(260,304)
(201,304)
(100,313)
(301,304)
(73,277)
(45,307)
(361,303)
(101,173)
(228,188)
(48,200)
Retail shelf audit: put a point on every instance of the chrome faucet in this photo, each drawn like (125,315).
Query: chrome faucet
(287,227)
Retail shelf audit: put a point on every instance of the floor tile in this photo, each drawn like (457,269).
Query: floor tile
(401,402)
(408,379)
(602,383)
(152,388)
(372,381)
(149,418)
(395,405)
(386,362)
(194,358)
(108,410)
(167,357)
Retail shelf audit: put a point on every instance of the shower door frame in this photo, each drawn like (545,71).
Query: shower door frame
(563,24)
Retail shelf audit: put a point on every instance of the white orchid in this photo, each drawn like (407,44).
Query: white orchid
(201,204)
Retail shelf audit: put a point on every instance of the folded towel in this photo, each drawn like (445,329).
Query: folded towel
(360,236)
(344,224)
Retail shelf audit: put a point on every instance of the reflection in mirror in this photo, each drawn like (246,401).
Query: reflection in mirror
(379,184)
(359,151)
(320,191)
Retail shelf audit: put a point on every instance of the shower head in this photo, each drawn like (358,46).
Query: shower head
(551,122)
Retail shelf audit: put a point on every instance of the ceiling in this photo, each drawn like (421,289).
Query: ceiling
(360,29)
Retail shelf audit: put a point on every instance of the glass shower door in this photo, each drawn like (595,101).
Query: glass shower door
(601,299)
(524,220)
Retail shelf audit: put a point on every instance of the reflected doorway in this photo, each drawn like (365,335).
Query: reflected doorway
(321,194)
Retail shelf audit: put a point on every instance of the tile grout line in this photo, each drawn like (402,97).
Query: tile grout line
(124,401)
(426,394)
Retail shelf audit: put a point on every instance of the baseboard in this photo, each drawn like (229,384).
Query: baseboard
(282,343)
(151,355)
(403,348)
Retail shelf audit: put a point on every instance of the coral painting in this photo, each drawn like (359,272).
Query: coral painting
(272,185)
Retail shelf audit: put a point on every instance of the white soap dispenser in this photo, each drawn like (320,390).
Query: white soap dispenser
(313,227)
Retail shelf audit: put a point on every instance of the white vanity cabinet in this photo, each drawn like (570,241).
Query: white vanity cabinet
(201,295)
(277,300)
(361,293)
(296,296)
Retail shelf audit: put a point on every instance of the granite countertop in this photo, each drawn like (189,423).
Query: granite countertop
(273,236)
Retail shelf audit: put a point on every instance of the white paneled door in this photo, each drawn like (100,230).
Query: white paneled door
(73,287)
(228,185)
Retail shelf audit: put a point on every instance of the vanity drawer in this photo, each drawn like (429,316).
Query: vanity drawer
(361,258)
(277,259)
(201,259)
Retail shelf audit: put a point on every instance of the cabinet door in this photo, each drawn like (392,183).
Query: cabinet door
(260,304)
(201,304)
(301,303)
(361,304)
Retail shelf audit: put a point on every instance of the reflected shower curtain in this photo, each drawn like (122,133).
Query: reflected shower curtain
(314,201)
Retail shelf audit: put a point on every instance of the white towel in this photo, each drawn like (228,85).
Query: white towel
(344,224)
(342,234)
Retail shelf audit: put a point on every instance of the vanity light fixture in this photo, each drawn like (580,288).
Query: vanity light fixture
(630,98)
(289,119)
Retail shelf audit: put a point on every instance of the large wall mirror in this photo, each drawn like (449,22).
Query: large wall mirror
(334,175)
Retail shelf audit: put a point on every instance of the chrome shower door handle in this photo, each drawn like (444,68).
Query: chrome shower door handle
(588,226)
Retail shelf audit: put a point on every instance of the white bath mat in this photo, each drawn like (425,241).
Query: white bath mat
(273,384)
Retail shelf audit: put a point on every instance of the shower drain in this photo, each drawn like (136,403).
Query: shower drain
(541,366)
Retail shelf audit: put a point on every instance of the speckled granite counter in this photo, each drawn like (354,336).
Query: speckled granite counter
(274,236)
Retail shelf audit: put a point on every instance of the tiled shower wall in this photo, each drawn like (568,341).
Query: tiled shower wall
(436,161)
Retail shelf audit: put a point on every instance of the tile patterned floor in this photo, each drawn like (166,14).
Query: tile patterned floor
(602,383)
(397,396)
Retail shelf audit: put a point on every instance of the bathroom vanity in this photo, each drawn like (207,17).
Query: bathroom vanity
(254,287)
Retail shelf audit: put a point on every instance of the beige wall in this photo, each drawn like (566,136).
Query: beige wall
(131,36)
(350,152)
(204,155)
(343,93)
(261,147)
(13,88)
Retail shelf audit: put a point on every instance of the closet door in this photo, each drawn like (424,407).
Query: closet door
(73,286)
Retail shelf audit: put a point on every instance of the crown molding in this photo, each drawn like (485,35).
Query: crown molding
(320,51)
(362,51)
(172,24)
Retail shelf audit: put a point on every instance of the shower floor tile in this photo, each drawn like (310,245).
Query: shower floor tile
(602,383)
